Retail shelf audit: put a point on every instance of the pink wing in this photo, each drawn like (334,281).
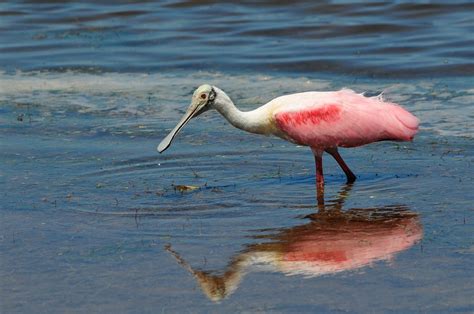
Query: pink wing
(342,118)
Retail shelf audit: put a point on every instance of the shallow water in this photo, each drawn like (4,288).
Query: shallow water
(93,218)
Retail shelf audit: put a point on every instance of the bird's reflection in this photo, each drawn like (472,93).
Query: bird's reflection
(331,241)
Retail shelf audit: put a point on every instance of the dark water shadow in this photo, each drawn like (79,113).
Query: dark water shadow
(332,240)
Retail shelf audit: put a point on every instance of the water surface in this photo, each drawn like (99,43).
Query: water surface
(94,219)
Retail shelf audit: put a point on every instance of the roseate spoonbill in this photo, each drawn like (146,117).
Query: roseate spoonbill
(323,121)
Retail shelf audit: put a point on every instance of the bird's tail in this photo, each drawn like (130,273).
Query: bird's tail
(407,123)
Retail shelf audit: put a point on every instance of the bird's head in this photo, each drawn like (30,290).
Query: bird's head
(203,99)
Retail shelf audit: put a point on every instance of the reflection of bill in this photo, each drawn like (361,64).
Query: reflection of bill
(333,241)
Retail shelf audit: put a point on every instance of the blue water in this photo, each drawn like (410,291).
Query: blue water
(93,219)
(374,39)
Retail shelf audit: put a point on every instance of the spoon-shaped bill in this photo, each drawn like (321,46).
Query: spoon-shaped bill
(166,142)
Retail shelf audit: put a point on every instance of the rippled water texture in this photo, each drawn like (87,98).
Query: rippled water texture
(93,219)
(382,39)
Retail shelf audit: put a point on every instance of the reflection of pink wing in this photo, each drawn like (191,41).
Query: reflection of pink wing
(323,253)
(343,118)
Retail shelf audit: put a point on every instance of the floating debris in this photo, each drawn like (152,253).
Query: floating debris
(185,188)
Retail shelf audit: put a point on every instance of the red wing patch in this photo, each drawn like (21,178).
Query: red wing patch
(316,256)
(327,113)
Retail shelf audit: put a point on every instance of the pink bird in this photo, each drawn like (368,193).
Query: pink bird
(323,121)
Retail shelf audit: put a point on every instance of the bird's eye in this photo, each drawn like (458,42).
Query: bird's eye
(203,96)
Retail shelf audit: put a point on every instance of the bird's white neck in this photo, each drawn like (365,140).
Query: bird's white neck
(254,121)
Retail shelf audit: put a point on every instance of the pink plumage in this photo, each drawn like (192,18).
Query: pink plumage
(323,121)
(344,118)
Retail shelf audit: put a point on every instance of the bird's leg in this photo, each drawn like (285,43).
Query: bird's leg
(349,174)
(318,156)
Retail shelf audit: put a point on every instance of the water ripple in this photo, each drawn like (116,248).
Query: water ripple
(294,38)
